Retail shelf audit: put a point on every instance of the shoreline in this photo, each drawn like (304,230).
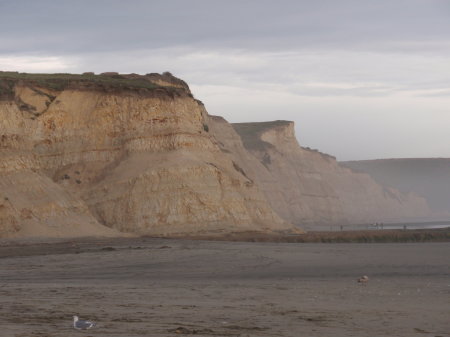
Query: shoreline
(20,247)
(352,236)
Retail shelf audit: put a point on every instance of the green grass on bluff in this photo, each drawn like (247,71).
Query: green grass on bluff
(63,81)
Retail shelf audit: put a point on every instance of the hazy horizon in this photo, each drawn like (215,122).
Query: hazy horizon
(361,79)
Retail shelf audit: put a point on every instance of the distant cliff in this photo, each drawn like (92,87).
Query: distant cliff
(84,155)
(428,177)
(308,187)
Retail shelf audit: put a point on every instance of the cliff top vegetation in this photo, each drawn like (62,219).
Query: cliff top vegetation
(250,133)
(111,81)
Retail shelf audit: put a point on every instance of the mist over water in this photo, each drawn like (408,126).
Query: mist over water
(426,177)
(418,225)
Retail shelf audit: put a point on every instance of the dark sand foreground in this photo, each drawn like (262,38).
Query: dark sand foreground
(156,287)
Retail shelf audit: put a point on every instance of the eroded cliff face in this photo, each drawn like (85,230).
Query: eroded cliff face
(315,188)
(128,155)
(84,155)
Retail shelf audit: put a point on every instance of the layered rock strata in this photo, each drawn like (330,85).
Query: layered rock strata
(104,155)
(310,188)
(84,155)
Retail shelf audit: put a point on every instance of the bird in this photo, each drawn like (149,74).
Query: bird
(363,279)
(82,325)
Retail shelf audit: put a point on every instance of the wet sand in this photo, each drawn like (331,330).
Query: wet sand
(157,287)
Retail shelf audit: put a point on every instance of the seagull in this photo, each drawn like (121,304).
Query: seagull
(363,279)
(82,325)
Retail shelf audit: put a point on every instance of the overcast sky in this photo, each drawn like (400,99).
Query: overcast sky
(362,79)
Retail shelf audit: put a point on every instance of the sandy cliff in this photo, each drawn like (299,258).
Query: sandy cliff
(96,155)
(315,188)
(84,155)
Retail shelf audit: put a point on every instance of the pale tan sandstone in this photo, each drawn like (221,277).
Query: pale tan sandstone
(230,143)
(98,157)
(316,189)
(134,160)
(33,205)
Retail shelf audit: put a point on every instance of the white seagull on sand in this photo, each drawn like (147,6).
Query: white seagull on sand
(82,325)
(363,279)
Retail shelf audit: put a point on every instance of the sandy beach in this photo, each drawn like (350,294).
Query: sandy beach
(158,287)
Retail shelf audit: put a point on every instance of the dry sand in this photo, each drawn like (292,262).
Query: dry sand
(156,287)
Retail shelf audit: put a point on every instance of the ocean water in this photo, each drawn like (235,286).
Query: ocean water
(416,225)
(402,225)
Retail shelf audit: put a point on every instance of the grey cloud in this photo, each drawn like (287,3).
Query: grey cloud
(441,93)
(79,26)
(341,73)
(352,92)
